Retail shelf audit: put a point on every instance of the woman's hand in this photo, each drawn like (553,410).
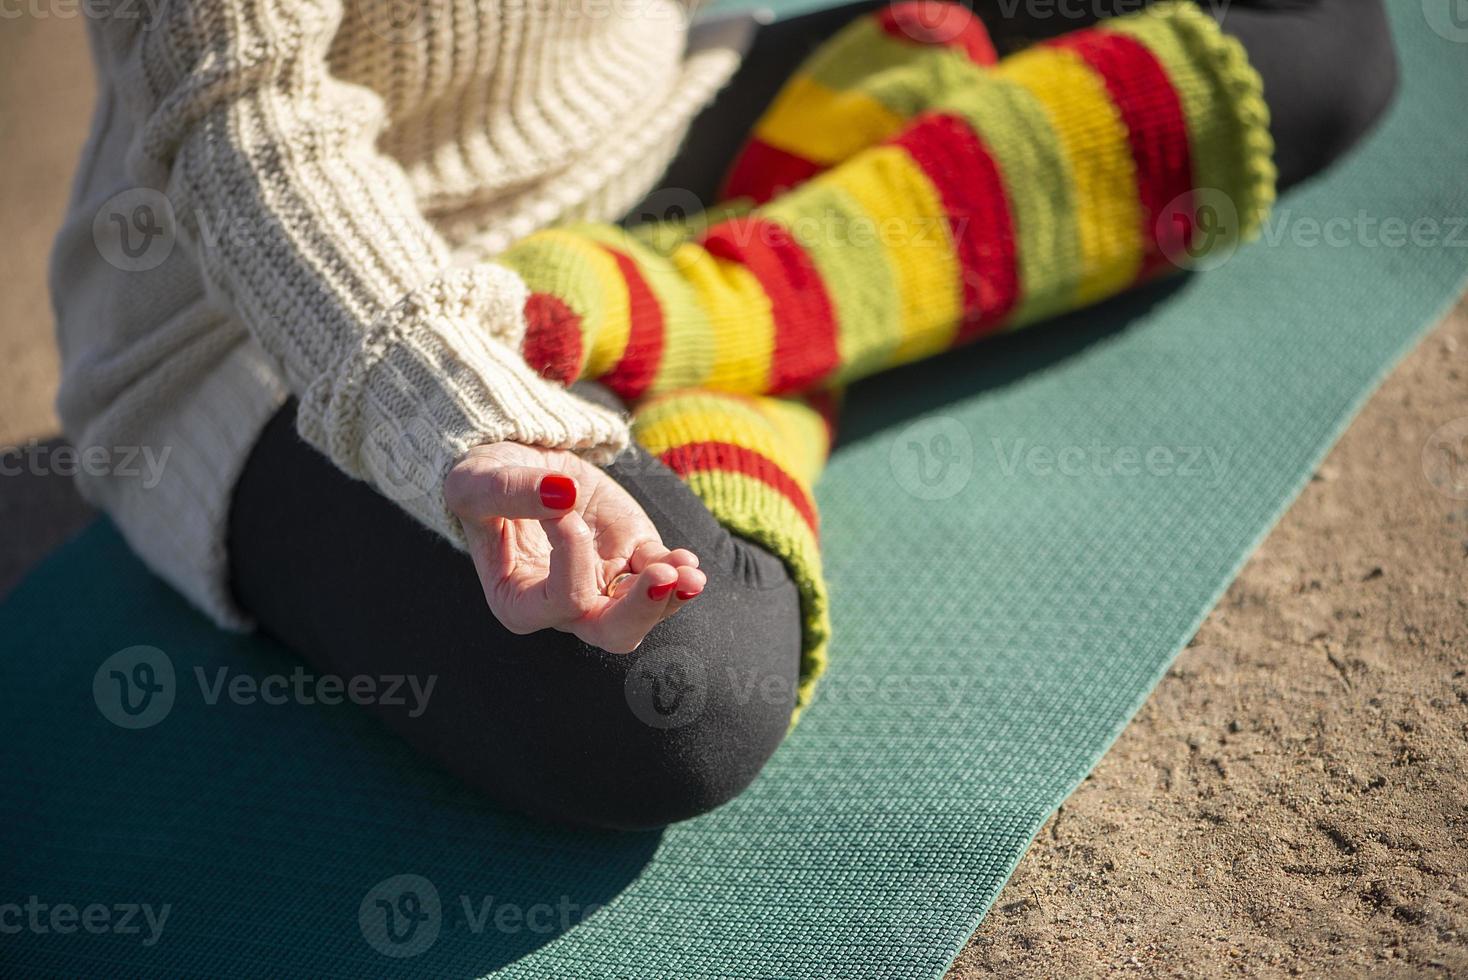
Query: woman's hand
(549,532)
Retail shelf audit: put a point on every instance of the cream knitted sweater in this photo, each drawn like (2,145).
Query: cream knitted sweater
(300,197)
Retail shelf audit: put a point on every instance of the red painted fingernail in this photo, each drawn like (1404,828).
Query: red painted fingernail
(659,592)
(690,595)
(558,492)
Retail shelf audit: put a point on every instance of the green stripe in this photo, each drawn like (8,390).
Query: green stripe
(751,509)
(688,341)
(860,50)
(1017,131)
(845,245)
(1217,141)
(903,78)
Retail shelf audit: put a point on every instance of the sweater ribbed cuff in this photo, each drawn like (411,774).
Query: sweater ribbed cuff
(429,381)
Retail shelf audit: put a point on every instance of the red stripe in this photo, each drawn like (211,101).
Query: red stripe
(763,171)
(635,370)
(805,322)
(1157,131)
(552,344)
(972,191)
(697,457)
(940,24)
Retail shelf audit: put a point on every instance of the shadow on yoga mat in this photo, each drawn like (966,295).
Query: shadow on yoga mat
(1019,540)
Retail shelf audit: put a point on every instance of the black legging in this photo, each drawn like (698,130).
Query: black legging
(544,723)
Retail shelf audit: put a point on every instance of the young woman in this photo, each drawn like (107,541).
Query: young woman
(348,269)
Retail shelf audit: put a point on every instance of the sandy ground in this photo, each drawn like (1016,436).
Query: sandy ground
(1293,800)
(45,106)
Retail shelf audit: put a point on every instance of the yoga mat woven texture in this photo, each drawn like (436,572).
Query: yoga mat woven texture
(998,619)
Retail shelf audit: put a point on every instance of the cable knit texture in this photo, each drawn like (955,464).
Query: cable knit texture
(300,197)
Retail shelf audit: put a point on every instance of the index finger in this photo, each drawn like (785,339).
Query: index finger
(513,492)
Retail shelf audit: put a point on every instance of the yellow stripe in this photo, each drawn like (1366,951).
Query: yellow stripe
(739,318)
(1095,142)
(688,349)
(787,431)
(762,425)
(825,125)
(910,226)
(661,408)
(842,242)
(802,428)
(574,269)
(692,425)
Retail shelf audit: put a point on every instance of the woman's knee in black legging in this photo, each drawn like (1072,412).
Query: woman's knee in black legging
(705,701)
(672,730)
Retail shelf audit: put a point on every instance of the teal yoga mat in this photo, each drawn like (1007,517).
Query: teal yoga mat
(1019,538)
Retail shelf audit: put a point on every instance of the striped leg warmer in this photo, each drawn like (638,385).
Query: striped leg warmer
(1056,178)
(858,89)
(754,460)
